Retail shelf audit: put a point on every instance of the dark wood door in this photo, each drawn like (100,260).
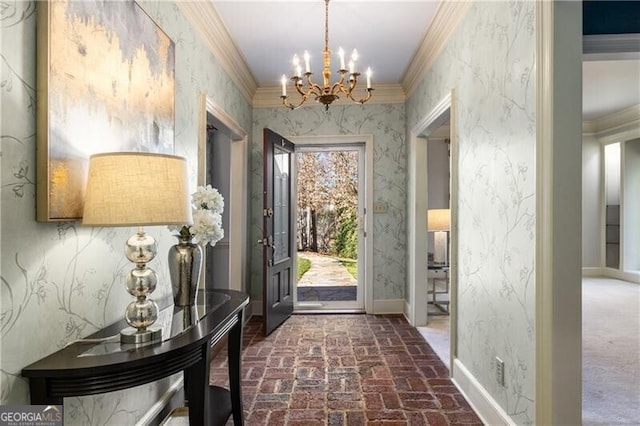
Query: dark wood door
(279,237)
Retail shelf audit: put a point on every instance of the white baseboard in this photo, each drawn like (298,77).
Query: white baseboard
(591,271)
(256,308)
(388,306)
(162,402)
(483,404)
(407,312)
(633,277)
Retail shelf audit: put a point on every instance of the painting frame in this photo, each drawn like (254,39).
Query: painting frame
(105,83)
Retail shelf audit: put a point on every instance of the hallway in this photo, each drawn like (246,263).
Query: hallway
(344,370)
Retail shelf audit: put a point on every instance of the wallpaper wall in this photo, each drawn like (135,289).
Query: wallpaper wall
(62,281)
(386,124)
(490,61)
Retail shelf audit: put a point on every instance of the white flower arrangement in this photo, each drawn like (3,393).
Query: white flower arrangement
(208,205)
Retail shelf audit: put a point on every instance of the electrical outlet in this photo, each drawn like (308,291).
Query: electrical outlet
(500,371)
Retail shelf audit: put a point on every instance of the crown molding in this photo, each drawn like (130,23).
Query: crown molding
(603,46)
(445,21)
(612,123)
(204,17)
(269,97)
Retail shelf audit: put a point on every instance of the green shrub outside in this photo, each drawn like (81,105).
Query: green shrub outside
(346,240)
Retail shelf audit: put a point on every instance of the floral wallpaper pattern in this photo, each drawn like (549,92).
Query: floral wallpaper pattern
(62,281)
(490,61)
(386,124)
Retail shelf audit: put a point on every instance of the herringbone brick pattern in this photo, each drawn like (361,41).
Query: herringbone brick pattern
(344,370)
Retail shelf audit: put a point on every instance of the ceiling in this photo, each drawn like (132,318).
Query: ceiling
(269,33)
(387,34)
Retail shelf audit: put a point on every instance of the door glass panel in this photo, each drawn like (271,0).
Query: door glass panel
(281,204)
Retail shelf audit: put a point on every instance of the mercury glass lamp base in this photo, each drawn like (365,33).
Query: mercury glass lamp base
(131,335)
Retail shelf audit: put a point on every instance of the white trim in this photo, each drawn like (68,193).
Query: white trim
(558,326)
(269,97)
(544,213)
(388,306)
(237,202)
(161,403)
(417,206)
(630,276)
(204,18)
(407,311)
(591,271)
(445,21)
(256,308)
(600,47)
(480,400)
(368,172)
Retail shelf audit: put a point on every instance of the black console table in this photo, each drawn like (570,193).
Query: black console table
(87,368)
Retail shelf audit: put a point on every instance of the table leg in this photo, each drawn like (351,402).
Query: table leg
(235,356)
(196,388)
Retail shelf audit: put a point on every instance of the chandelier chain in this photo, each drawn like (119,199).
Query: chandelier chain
(327,92)
(326,24)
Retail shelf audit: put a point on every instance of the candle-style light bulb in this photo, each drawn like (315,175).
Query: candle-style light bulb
(307,66)
(296,66)
(354,55)
(284,85)
(352,67)
(369,78)
(341,56)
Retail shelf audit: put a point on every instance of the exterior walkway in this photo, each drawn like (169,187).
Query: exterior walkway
(325,271)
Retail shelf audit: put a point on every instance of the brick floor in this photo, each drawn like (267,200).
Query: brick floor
(344,370)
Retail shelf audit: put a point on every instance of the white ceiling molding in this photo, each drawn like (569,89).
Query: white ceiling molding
(269,97)
(205,19)
(610,46)
(617,122)
(445,21)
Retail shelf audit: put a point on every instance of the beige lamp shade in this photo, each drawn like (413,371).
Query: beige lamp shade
(438,220)
(137,189)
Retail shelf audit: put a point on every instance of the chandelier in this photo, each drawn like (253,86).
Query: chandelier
(328,92)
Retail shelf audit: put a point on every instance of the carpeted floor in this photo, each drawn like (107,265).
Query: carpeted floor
(610,352)
(344,370)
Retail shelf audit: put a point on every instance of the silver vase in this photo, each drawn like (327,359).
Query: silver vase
(185,260)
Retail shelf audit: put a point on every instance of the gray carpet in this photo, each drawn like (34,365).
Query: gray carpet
(610,352)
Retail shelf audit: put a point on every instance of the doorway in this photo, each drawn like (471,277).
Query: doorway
(330,216)
(223,163)
(422,286)
(363,146)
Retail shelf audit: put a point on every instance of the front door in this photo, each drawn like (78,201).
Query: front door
(279,239)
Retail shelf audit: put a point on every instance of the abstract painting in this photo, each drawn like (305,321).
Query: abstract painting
(106,82)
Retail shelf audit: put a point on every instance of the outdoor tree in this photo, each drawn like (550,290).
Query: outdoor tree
(327,202)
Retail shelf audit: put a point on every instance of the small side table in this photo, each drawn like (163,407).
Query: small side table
(438,291)
(85,368)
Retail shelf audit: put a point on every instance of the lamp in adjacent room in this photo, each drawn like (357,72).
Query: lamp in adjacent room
(138,189)
(439,222)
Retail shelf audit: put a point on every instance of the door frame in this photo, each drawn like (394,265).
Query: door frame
(417,208)
(367,141)
(339,306)
(238,201)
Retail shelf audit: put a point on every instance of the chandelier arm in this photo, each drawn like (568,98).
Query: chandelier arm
(338,85)
(363,100)
(291,105)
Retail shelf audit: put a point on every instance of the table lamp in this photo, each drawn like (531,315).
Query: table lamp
(439,222)
(138,189)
